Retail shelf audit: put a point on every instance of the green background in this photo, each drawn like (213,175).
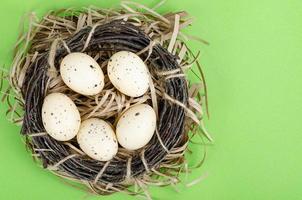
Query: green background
(254,75)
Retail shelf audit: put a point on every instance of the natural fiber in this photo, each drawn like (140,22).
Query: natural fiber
(158,40)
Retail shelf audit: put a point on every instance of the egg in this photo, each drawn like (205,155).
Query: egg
(60,116)
(81,73)
(136,126)
(128,73)
(97,139)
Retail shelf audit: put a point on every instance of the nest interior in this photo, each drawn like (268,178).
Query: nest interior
(100,33)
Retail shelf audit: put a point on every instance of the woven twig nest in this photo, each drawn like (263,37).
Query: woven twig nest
(100,33)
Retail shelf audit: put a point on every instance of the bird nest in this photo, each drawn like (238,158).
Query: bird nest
(178,103)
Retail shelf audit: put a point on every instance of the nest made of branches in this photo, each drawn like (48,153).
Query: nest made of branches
(178,103)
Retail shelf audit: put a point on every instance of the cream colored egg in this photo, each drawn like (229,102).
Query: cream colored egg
(97,139)
(60,116)
(128,73)
(136,127)
(81,73)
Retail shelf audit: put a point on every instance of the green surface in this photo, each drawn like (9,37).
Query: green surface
(253,69)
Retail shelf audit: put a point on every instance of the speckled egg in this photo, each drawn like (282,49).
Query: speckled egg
(81,73)
(136,126)
(97,139)
(60,116)
(128,73)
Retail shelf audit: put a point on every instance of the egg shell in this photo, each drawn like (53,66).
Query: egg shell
(136,126)
(97,139)
(81,73)
(60,116)
(128,73)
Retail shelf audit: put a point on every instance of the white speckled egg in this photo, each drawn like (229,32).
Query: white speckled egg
(81,73)
(136,126)
(128,73)
(97,139)
(60,116)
